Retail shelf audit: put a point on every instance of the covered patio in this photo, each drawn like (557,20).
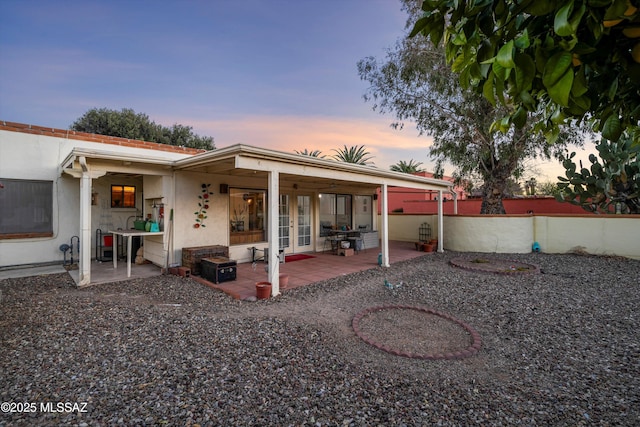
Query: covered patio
(239,182)
(295,175)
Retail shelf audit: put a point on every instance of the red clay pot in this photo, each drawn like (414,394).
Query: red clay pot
(284,281)
(263,290)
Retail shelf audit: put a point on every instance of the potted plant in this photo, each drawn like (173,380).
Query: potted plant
(427,247)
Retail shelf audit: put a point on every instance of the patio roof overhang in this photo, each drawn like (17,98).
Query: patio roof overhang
(313,172)
(114,162)
(244,160)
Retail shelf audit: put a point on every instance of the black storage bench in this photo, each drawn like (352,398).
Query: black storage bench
(218,269)
(191,257)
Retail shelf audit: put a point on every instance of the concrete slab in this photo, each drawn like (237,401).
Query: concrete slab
(12,273)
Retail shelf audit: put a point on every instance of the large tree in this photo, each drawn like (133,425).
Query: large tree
(573,59)
(129,124)
(415,83)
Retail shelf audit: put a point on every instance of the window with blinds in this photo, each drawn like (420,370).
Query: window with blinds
(26,208)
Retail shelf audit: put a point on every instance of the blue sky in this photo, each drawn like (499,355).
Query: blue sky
(279,74)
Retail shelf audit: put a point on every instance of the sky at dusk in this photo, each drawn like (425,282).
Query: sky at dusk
(278,74)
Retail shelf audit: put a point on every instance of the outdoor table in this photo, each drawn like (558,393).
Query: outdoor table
(129,234)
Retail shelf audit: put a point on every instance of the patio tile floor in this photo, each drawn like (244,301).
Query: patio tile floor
(322,266)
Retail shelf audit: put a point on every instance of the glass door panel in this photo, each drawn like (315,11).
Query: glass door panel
(284,221)
(303,230)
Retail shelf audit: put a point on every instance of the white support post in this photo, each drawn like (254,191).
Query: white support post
(384,237)
(440,221)
(274,232)
(84,266)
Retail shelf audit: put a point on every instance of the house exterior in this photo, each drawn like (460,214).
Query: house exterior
(62,185)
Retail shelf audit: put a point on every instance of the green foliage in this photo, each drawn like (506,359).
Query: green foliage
(572,59)
(611,184)
(410,167)
(129,124)
(547,188)
(314,153)
(354,154)
(415,83)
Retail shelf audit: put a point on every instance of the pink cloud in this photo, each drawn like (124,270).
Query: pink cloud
(289,133)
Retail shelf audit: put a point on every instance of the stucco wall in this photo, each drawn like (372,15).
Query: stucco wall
(513,234)
(602,234)
(597,234)
(406,227)
(188,188)
(38,157)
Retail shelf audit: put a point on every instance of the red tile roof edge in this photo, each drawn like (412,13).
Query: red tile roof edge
(91,137)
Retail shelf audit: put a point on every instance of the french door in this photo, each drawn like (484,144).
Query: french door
(304,227)
(295,226)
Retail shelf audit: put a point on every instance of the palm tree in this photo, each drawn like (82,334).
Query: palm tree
(405,167)
(314,153)
(354,154)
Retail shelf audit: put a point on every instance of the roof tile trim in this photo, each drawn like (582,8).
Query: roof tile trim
(91,137)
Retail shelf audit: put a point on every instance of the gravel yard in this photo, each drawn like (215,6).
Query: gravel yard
(561,347)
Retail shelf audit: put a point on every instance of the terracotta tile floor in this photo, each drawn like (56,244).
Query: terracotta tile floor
(303,272)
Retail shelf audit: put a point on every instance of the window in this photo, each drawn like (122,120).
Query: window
(247,216)
(335,212)
(26,208)
(363,213)
(123,196)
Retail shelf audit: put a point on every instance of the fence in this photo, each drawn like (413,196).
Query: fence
(593,234)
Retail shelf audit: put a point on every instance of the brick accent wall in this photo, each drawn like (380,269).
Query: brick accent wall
(91,137)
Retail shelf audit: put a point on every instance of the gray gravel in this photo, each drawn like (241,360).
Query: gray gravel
(559,348)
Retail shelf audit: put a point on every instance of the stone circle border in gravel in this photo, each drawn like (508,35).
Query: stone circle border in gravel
(471,350)
(494,265)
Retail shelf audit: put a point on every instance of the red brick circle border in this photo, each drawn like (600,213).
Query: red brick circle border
(495,266)
(476,341)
